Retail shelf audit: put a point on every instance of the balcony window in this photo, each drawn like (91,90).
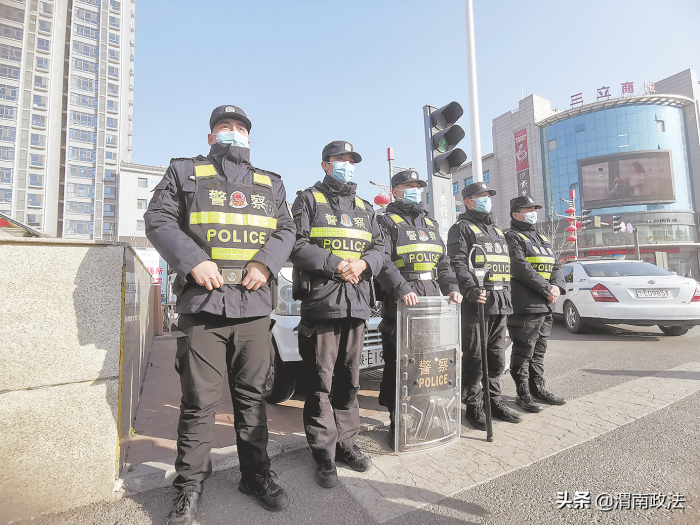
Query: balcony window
(112,89)
(87,50)
(85,65)
(7,153)
(12,13)
(83,119)
(15,33)
(38,141)
(40,101)
(143,183)
(85,15)
(36,180)
(81,154)
(113,106)
(111,157)
(110,174)
(8,71)
(87,31)
(10,53)
(5,175)
(34,219)
(9,92)
(83,83)
(36,160)
(115,5)
(43,45)
(108,210)
(114,54)
(46,9)
(83,100)
(114,22)
(85,191)
(82,135)
(44,26)
(112,122)
(113,39)
(110,192)
(5,195)
(108,227)
(82,208)
(82,172)
(41,82)
(79,227)
(34,200)
(8,133)
(113,72)
(111,140)
(39,121)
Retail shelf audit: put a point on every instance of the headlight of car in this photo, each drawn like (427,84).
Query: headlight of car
(286,305)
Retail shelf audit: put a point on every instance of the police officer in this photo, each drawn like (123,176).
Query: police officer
(476,226)
(537,280)
(415,249)
(224,227)
(339,247)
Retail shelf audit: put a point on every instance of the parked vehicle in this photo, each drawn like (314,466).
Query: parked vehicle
(627,292)
(285,369)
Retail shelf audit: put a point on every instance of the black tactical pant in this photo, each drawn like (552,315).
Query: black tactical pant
(330,350)
(387,388)
(214,346)
(471,357)
(529,333)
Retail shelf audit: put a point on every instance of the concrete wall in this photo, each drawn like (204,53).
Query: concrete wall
(75,335)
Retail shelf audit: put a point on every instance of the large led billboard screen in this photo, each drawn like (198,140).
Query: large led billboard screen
(640,177)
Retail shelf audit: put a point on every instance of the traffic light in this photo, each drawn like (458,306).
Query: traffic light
(442,135)
(617,223)
(585,218)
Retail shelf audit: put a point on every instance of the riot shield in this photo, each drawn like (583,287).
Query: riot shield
(428,375)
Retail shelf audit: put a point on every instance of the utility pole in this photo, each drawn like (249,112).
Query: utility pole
(477,171)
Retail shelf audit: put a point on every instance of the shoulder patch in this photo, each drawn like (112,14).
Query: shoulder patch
(319,197)
(498,231)
(524,237)
(476,230)
(205,170)
(396,218)
(360,203)
(261,179)
(429,222)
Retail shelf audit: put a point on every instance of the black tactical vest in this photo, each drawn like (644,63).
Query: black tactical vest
(230,220)
(497,258)
(539,255)
(416,249)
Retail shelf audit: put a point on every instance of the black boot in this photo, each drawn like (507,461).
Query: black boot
(504,413)
(475,416)
(525,399)
(184,509)
(353,457)
(539,392)
(268,493)
(392,429)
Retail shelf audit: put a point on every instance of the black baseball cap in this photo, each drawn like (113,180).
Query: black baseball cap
(407,176)
(228,111)
(475,189)
(523,202)
(338,147)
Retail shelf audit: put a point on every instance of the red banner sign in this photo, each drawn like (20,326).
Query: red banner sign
(522,161)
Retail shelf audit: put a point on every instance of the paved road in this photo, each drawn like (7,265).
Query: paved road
(657,452)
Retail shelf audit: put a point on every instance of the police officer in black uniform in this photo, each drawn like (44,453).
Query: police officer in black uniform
(414,248)
(476,226)
(338,248)
(224,226)
(537,280)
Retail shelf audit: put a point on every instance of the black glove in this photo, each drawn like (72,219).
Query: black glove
(473,294)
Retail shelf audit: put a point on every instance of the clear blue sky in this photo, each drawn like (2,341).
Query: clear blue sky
(309,71)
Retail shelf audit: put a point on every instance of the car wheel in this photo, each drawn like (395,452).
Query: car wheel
(673,330)
(572,319)
(281,378)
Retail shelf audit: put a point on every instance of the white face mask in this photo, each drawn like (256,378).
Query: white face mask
(530,217)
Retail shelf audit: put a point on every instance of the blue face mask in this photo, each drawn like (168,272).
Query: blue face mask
(483,204)
(343,171)
(232,137)
(530,217)
(412,195)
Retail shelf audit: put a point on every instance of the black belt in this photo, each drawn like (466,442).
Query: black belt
(420,276)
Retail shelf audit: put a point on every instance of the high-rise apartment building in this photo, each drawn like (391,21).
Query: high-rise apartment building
(66,106)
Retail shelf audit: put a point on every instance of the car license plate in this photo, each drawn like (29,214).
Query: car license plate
(371,357)
(653,293)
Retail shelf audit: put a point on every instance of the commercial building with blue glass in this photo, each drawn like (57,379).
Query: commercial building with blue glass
(637,157)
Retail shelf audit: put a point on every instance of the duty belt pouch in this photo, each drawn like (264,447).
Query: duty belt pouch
(372,294)
(301,284)
(273,294)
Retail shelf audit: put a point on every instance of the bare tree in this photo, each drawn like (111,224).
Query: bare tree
(550,229)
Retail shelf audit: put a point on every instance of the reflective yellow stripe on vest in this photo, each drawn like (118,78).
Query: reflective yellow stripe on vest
(205,170)
(345,254)
(409,248)
(262,179)
(396,218)
(546,260)
(341,232)
(232,254)
(429,223)
(497,258)
(475,229)
(240,219)
(359,203)
(524,237)
(320,197)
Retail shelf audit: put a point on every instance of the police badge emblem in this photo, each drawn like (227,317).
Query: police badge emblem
(237,200)
(414,175)
(348,146)
(497,247)
(422,235)
(230,109)
(345,220)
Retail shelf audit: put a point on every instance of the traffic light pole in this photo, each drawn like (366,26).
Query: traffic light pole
(477,171)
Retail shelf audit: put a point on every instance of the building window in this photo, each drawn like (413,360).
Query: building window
(39,121)
(112,105)
(36,180)
(114,22)
(91,17)
(111,140)
(141,204)
(11,13)
(108,210)
(82,154)
(42,63)
(455,188)
(86,191)
(552,144)
(112,122)
(660,126)
(82,135)
(8,112)
(114,39)
(486,176)
(83,208)
(15,33)
(111,156)
(83,83)
(41,82)
(79,227)
(38,141)
(82,172)
(40,101)
(5,195)
(8,92)
(115,5)
(110,192)
(95,3)
(108,227)
(84,49)
(44,26)
(458,208)
(112,89)
(33,219)
(6,175)
(7,153)
(36,160)
(140,226)
(8,71)
(83,119)
(114,54)
(46,9)
(468,181)
(10,53)
(87,32)
(8,133)
(113,72)
(43,45)
(143,183)
(34,200)
(110,174)
(85,65)
(83,100)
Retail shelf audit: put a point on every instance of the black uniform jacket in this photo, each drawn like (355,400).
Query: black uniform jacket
(460,240)
(166,228)
(394,286)
(331,297)
(529,289)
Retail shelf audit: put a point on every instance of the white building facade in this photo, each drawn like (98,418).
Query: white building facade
(136,185)
(66,107)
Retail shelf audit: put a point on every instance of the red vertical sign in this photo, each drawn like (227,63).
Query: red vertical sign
(522,163)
